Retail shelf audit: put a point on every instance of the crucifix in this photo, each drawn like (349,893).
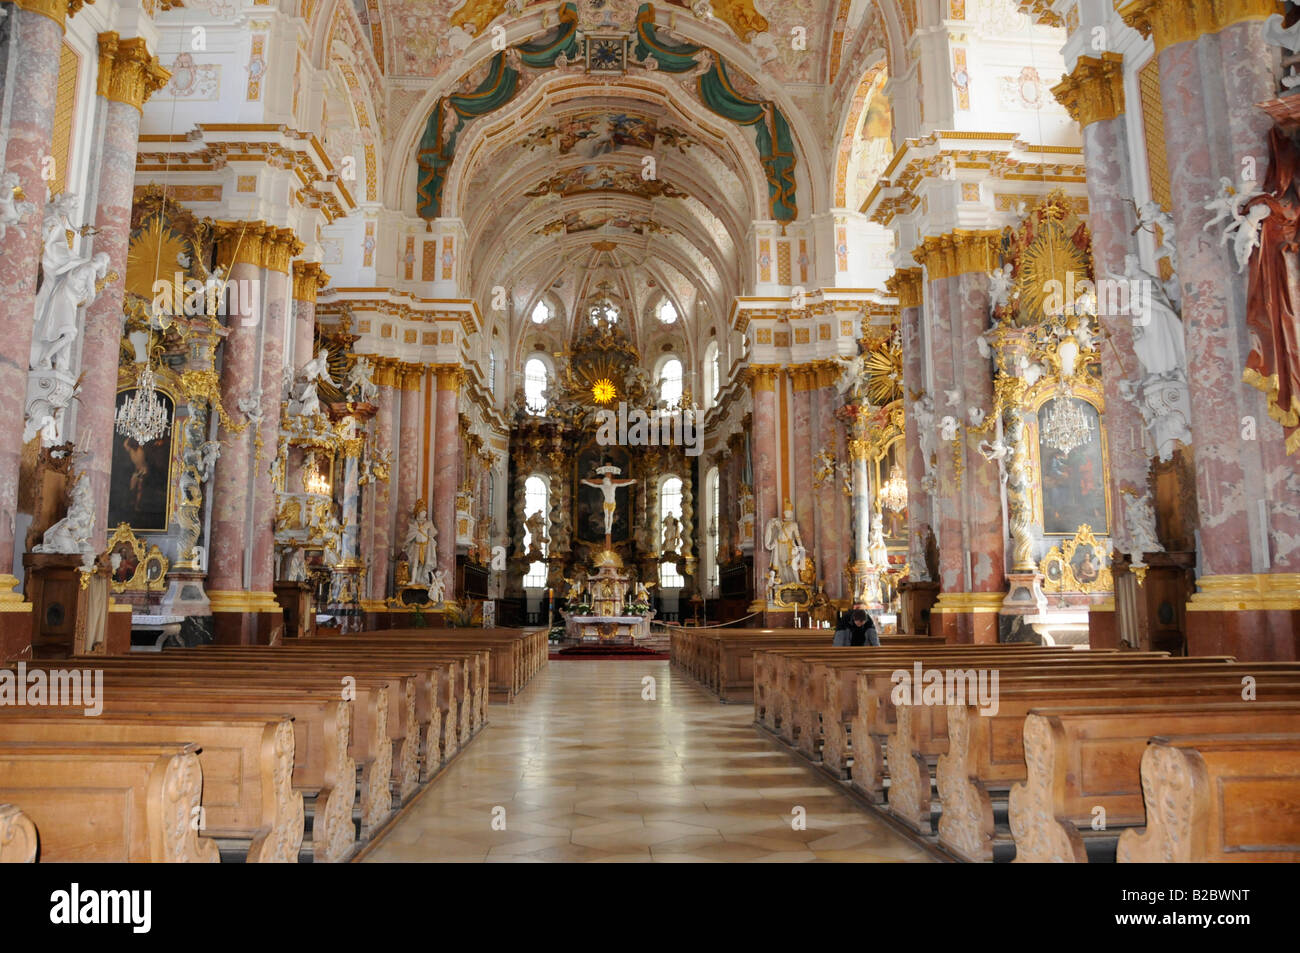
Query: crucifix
(608,487)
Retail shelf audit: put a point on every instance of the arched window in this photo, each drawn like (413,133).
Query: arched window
(667,312)
(670,501)
(536,500)
(712,373)
(535,379)
(670,382)
(492,372)
(711,491)
(541,313)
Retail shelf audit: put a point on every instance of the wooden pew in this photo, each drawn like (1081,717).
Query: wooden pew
(18,838)
(1078,760)
(247,768)
(435,703)
(1218,799)
(516,655)
(371,746)
(109,802)
(986,755)
(323,770)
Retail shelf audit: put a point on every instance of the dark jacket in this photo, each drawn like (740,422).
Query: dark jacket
(848,634)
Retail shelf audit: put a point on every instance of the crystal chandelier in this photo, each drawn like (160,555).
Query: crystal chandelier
(1066,426)
(313,481)
(142,416)
(893,495)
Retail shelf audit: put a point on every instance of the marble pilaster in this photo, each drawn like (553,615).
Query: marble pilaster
(33,43)
(446,470)
(128,74)
(766,451)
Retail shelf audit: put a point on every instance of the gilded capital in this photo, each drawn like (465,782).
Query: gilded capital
(762,377)
(1095,90)
(240,243)
(128,72)
(905,285)
(409,376)
(386,370)
(279,248)
(308,278)
(60,11)
(1170,22)
(961,252)
(449,376)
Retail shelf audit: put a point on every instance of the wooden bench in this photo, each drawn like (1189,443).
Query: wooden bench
(370,746)
(516,655)
(1218,799)
(247,768)
(108,802)
(1081,760)
(17,836)
(986,755)
(323,770)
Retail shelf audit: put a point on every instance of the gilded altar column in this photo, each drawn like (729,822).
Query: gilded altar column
(30,40)
(446,469)
(1214,67)
(308,279)
(128,74)
(766,450)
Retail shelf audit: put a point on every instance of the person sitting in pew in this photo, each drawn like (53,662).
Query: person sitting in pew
(856,629)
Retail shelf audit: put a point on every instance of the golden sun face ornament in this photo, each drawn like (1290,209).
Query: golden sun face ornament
(603,391)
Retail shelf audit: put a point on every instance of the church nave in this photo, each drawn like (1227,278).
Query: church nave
(587,771)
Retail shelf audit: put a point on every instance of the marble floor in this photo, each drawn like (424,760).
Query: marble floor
(583,768)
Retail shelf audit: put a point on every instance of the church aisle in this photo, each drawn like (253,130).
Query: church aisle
(586,770)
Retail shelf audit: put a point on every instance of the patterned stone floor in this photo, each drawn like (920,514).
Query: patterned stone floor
(585,769)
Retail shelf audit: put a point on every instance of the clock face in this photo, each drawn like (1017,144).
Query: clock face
(605,54)
(961,78)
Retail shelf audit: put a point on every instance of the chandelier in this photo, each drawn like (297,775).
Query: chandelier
(142,417)
(313,481)
(893,495)
(1066,426)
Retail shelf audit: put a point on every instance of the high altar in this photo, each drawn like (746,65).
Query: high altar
(606,592)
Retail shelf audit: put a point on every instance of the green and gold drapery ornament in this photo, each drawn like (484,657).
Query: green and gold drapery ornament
(775,142)
(437,147)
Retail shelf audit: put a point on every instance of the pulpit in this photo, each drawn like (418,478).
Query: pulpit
(69,607)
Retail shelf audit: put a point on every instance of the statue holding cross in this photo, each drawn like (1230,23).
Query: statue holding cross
(608,487)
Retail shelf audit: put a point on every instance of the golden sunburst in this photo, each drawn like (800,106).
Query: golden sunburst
(1045,269)
(153,255)
(603,391)
(884,369)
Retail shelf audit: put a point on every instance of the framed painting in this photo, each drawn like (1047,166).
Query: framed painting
(140,490)
(1073,485)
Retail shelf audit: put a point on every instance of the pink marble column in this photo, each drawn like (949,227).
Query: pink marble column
(102,334)
(35,41)
(946,365)
(381,495)
(308,278)
(262,516)
(1211,128)
(831,520)
(766,456)
(801,455)
(447,466)
(918,497)
(1105,151)
(407,454)
(981,484)
(233,480)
